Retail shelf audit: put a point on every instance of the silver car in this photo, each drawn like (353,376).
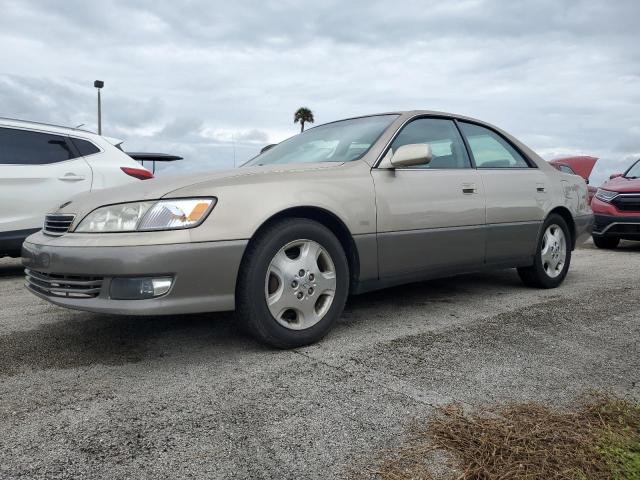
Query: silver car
(343,208)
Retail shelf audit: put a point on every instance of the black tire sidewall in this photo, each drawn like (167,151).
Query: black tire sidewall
(262,322)
(543,278)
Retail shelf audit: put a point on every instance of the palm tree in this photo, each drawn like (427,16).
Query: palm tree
(303,115)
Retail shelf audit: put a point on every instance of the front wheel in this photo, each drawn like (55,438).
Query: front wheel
(552,258)
(293,283)
(606,242)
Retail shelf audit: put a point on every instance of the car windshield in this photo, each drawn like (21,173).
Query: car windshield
(342,141)
(634,171)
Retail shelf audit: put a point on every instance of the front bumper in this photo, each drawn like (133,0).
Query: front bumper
(624,227)
(204,275)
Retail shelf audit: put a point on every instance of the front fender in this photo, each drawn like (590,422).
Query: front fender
(346,191)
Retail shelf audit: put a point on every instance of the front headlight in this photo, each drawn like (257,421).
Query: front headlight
(148,216)
(606,195)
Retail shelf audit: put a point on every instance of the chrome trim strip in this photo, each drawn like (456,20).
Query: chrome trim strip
(64,281)
(600,232)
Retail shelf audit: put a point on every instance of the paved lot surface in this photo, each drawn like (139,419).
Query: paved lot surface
(101,397)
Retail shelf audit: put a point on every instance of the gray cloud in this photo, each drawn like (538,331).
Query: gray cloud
(214,81)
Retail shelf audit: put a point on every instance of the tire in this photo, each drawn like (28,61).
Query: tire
(277,305)
(549,268)
(606,242)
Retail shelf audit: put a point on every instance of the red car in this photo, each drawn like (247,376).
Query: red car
(581,165)
(616,208)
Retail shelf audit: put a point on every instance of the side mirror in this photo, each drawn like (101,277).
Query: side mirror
(614,175)
(411,155)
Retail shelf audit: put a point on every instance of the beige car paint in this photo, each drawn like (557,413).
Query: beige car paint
(343,189)
(413,205)
(263,191)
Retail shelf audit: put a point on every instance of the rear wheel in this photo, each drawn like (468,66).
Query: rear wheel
(552,258)
(293,283)
(606,242)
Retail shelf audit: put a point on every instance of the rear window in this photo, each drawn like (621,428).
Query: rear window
(22,147)
(489,149)
(566,169)
(85,147)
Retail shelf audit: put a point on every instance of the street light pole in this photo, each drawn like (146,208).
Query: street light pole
(99,84)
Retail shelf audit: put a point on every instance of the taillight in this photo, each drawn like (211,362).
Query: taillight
(139,173)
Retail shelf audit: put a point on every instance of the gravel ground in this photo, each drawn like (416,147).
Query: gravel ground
(102,397)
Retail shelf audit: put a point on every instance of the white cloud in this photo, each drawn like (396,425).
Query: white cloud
(216,80)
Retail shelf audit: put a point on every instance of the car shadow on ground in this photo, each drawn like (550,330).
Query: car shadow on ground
(88,339)
(74,339)
(80,339)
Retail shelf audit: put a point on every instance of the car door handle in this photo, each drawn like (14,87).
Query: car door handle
(71,177)
(469,188)
(540,188)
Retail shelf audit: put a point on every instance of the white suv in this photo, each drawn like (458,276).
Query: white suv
(42,166)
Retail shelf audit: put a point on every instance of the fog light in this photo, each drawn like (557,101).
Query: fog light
(139,288)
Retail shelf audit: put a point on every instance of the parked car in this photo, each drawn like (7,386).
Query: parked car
(41,166)
(580,165)
(617,209)
(346,207)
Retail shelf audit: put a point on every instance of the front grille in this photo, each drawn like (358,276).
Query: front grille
(57,224)
(627,203)
(71,286)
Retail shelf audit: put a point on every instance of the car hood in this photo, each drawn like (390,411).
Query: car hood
(163,187)
(622,185)
(583,165)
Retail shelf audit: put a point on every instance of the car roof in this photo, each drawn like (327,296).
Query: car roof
(406,114)
(49,127)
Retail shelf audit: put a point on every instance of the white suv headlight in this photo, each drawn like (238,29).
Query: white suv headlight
(147,216)
(606,195)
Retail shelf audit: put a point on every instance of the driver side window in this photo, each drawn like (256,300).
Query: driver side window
(447,148)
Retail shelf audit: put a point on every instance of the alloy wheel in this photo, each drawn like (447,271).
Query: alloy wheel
(300,284)
(554,250)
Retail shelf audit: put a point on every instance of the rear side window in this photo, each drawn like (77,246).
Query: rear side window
(22,147)
(489,149)
(85,147)
(447,148)
(566,169)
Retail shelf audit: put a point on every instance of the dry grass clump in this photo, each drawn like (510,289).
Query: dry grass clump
(598,440)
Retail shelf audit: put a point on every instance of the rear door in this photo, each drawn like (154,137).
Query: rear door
(430,217)
(38,172)
(516,194)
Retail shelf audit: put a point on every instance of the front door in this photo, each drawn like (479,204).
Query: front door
(430,218)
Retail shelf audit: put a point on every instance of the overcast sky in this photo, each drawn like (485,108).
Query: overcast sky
(197,78)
